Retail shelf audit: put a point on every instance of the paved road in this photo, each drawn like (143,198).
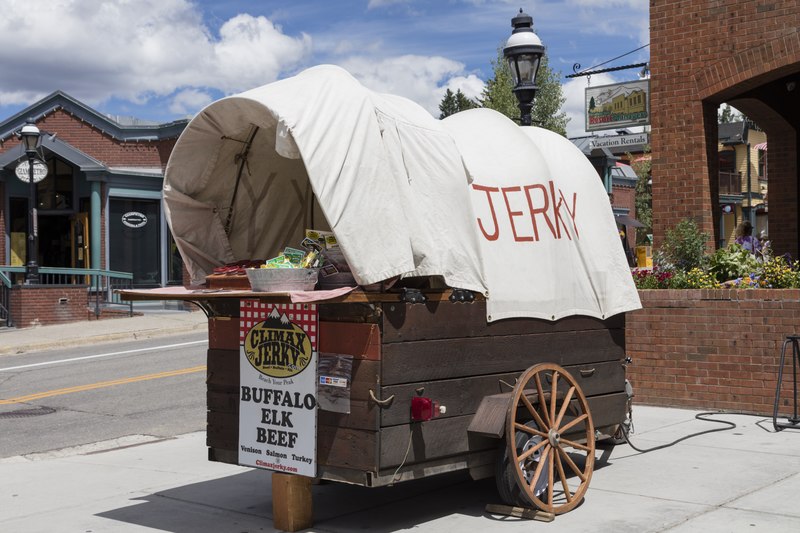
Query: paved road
(147,389)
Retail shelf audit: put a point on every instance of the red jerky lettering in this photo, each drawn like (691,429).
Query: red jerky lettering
(571,212)
(489,191)
(557,213)
(540,211)
(512,214)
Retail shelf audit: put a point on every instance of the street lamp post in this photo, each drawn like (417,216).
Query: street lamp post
(523,51)
(30,139)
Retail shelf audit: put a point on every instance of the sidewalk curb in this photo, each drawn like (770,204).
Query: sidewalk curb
(102,338)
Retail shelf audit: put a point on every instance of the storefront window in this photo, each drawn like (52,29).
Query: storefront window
(134,239)
(174,263)
(55,191)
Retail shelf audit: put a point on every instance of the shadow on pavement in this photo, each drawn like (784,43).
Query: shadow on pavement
(242,502)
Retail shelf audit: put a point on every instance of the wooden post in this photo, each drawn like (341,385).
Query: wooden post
(520,512)
(292,508)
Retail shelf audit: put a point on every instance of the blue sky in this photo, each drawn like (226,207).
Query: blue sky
(166,59)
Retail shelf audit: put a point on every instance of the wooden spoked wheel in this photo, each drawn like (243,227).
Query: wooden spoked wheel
(550,439)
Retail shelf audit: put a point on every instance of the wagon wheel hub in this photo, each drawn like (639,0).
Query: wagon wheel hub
(554,437)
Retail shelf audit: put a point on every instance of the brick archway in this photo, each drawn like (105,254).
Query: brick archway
(704,53)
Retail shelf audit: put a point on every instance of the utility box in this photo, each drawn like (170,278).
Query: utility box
(644,256)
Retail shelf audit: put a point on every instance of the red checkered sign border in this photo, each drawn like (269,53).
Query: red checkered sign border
(251,312)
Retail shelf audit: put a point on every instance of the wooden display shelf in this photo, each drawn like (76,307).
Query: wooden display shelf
(197,294)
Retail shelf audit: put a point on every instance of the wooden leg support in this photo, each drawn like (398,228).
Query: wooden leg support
(292,508)
(520,512)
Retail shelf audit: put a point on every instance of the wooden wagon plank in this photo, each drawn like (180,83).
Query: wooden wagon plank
(462,396)
(363,415)
(446,320)
(446,437)
(362,341)
(223,333)
(350,312)
(222,430)
(411,362)
(347,448)
(425,441)
(222,401)
(223,369)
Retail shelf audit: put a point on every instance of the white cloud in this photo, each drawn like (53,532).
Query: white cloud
(135,50)
(188,101)
(422,79)
(471,85)
(373,4)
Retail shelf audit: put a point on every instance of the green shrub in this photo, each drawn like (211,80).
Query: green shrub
(684,246)
(733,262)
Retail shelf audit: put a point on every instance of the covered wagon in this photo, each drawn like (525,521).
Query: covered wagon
(481,327)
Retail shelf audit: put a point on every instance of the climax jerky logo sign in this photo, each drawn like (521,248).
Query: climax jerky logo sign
(277,387)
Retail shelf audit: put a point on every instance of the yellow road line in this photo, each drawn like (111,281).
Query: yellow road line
(102,384)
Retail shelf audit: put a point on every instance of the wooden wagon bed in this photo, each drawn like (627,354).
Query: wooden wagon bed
(440,349)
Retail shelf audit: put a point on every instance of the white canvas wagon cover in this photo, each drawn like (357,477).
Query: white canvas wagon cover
(517,214)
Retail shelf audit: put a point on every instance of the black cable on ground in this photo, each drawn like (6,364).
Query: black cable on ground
(699,416)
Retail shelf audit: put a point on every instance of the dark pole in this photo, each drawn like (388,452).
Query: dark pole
(525,96)
(31,266)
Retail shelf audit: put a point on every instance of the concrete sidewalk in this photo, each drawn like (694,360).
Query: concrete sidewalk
(745,479)
(147,325)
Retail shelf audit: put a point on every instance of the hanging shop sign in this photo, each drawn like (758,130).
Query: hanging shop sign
(619,141)
(278,387)
(23,171)
(620,105)
(134,219)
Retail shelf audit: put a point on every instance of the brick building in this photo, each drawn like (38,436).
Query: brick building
(613,165)
(743,180)
(704,53)
(100,204)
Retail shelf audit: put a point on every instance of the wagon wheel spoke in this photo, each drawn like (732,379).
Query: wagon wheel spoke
(550,478)
(532,410)
(566,427)
(564,407)
(537,452)
(542,401)
(528,429)
(570,444)
(578,472)
(526,454)
(554,400)
(563,477)
(530,487)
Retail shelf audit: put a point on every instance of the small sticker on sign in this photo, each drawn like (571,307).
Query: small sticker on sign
(332,381)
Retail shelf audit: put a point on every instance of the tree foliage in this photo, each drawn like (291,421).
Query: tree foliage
(684,246)
(452,103)
(726,114)
(546,113)
(644,195)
